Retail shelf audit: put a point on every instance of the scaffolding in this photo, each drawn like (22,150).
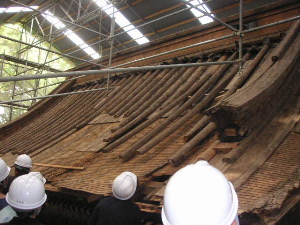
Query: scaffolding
(83,18)
(18,65)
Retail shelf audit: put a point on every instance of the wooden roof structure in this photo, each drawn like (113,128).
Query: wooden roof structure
(155,122)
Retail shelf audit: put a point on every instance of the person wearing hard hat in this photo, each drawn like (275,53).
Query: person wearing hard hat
(26,196)
(199,194)
(119,209)
(6,212)
(22,166)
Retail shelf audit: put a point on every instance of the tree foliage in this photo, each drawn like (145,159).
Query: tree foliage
(25,89)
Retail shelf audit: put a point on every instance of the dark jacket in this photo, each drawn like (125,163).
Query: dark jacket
(27,221)
(112,211)
(10,179)
(3,203)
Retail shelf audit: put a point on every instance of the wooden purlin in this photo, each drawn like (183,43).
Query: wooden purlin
(205,151)
(147,108)
(139,94)
(131,121)
(210,127)
(142,100)
(125,92)
(203,122)
(277,54)
(194,98)
(106,101)
(180,98)
(194,81)
(186,81)
(169,88)
(247,71)
(185,150)
(144,105)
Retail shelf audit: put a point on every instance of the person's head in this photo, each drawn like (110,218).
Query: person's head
(199,194)
(23,164)
(124,185)
(4,172)
(26,194)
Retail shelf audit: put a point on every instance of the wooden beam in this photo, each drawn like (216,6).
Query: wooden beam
(246,110)
(188,147)
(59,166)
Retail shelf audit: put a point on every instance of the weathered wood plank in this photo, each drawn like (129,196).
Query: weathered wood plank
(247,109)
(263,147)
(59,166)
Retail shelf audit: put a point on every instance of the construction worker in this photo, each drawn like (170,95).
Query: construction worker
(26,196)
(118,210)
(199,194)
(22,166)
(6,212)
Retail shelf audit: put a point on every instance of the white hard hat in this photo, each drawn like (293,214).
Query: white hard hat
(4,170)
(27,192)
(24,161)
(199,194)
(124,185)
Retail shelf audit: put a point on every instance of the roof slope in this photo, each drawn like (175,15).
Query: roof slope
(152,123)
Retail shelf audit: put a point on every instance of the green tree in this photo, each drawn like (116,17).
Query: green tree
(25,89)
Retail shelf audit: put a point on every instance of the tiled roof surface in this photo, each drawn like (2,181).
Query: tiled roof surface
(143,124)
(270,184)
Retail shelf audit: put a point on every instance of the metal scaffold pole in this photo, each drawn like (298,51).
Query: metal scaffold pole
(241,37)
(1,67)
(116,70)
(111,42)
